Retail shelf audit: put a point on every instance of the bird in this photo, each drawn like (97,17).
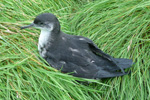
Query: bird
(73,54)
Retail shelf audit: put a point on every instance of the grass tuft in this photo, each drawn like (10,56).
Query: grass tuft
(119,28)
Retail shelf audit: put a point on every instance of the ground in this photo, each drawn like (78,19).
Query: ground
(119,28)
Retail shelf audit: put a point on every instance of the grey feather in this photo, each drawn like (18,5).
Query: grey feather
(75,54)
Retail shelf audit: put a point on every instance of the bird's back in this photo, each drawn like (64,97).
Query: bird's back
(73,54)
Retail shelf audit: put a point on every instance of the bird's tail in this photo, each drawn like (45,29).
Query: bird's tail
(108,74)
(123,63)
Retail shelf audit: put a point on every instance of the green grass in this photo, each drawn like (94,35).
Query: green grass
(119,28)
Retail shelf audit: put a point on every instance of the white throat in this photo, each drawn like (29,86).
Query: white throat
(45,36)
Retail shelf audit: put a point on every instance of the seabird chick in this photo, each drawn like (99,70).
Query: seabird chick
(76,54)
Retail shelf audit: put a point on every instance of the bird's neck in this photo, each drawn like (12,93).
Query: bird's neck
(46,37)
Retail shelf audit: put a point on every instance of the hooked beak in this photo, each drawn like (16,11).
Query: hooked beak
(31,25)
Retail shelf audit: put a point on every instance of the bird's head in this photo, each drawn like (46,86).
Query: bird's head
(45,21)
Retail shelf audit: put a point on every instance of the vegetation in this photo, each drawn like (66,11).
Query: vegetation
(119,27)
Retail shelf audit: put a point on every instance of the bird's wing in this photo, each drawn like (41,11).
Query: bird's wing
(99,52)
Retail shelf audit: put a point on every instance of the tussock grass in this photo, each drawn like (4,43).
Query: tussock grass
(120,28)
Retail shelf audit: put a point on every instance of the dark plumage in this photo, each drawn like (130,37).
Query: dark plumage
(75,54)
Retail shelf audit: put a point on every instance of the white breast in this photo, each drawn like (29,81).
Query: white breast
(44,38)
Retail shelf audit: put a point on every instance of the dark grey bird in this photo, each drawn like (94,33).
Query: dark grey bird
(75,54)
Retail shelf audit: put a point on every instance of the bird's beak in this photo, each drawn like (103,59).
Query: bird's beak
(31,25)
